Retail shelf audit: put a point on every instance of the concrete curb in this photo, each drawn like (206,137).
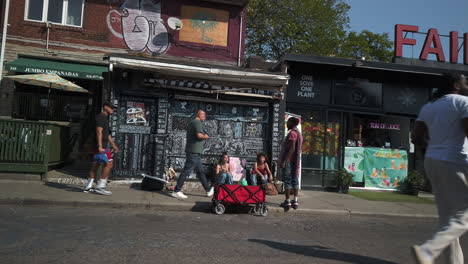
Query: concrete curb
(180,206)
(356,213)
(82,182)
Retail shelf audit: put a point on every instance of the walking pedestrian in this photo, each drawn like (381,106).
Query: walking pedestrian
(442,130)
(289,160)
(102,153)
(196,137)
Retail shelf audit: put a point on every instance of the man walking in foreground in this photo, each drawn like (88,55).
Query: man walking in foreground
(102,153)
(289,160)
(442,129)
(196,137)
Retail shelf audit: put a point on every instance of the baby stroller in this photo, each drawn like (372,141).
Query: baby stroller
(230,195)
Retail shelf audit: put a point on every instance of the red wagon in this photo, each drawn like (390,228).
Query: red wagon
(228,195)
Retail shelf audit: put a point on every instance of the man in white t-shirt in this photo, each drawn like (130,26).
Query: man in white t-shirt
(442,130)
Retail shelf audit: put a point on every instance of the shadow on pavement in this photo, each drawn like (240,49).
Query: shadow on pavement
(201,207)
(76,169)
(165,193)
(313,188)
(65,187)
(322,252)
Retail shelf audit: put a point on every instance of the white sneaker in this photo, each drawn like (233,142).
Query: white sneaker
(89,186)
(210,193)
(421,256)
(102,191)
(88,190)
(179,195)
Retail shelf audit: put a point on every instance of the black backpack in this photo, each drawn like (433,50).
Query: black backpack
(152,183)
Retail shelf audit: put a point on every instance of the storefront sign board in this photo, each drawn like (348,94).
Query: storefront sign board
(384,126)
(305,88)
(432,44)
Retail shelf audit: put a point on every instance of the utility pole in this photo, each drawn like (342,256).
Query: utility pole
(4,36)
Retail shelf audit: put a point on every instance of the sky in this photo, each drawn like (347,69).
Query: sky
(380,16)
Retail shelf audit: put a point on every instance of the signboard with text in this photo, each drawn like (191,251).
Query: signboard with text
(306,88)
(432,44)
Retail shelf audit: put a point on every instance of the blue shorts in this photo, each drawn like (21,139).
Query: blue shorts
(102,158)
(290,177)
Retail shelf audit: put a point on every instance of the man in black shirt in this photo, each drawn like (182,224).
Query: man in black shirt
(102,153)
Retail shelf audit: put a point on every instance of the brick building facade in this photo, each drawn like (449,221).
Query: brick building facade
(158,56)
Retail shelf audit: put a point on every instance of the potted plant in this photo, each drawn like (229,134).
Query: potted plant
(413,182)
(344,179)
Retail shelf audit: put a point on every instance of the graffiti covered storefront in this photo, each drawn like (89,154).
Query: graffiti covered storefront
(158,98)
(186,55)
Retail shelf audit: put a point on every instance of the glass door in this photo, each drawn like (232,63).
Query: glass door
(332,159)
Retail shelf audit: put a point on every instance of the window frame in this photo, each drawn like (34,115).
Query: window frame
(45,10)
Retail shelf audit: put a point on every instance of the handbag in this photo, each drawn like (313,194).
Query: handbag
(270,189)
(279,186)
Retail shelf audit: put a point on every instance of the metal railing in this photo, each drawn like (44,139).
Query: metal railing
(29,146)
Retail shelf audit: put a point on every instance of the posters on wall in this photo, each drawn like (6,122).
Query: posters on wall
(137,114)
(381,168)
(385,168)
(354,162)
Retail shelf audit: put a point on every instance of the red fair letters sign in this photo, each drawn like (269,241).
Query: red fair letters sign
(432,44)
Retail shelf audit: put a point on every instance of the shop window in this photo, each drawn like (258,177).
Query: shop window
(64,12)
(358,93)
(378,131)
(321,146)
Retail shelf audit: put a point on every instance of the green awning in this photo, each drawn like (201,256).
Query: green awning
(64,69)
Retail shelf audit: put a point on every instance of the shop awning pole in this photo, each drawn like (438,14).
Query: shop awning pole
(4,36)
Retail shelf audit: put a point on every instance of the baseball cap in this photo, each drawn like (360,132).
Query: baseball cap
(109,104)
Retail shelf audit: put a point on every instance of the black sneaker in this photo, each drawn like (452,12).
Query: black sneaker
(286,205)
(295,205)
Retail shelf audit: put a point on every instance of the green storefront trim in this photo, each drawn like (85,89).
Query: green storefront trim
(64,69)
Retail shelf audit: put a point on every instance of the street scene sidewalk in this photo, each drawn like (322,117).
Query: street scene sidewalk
(68,192)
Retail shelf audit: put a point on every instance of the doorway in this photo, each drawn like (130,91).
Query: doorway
(322,147)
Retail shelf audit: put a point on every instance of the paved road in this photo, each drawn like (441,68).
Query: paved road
(76,235)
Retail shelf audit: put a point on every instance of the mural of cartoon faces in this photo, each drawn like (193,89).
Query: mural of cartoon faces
(139,24)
